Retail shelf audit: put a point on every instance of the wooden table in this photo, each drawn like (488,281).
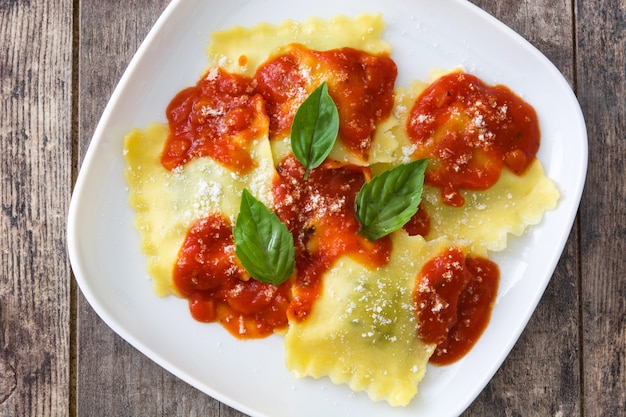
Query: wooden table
(61,60)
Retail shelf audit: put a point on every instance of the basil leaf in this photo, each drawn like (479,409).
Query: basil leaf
(263,243)
(389,200)
(314,129)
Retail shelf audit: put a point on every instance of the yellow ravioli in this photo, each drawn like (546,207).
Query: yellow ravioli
(362,330)
(259,42)
(242,50)
(487,217)
(167,203)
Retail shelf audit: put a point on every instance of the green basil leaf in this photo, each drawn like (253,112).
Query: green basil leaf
(263,243)
(389,200)
(314,129)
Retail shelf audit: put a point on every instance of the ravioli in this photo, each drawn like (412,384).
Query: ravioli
(510,206)
(362,329)
(488,217)
(242,50)
(167,203)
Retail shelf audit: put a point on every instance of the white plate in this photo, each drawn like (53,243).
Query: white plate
(251,376)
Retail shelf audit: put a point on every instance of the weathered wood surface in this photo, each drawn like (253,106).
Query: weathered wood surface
(59,63)
(601,86)
(35,183)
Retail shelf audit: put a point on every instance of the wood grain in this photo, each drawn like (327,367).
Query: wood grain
(601,53)
(35,183)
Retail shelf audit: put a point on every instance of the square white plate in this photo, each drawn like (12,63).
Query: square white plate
(251,376)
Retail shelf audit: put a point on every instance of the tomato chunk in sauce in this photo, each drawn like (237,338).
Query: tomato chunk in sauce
(419,224)
(453,298)
(470,131)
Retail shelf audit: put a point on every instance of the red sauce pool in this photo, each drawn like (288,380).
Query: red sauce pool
(218,117)
(218,288)
(453,297)
(470,131)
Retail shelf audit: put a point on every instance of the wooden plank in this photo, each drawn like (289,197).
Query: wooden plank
(124,382)
(35,180)
(601,56)
(541,375)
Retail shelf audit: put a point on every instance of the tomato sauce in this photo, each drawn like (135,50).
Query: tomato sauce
(363,89)
(320,214)
(419,224)
(470,131)
(218,288)
(453,297)
(218,117)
